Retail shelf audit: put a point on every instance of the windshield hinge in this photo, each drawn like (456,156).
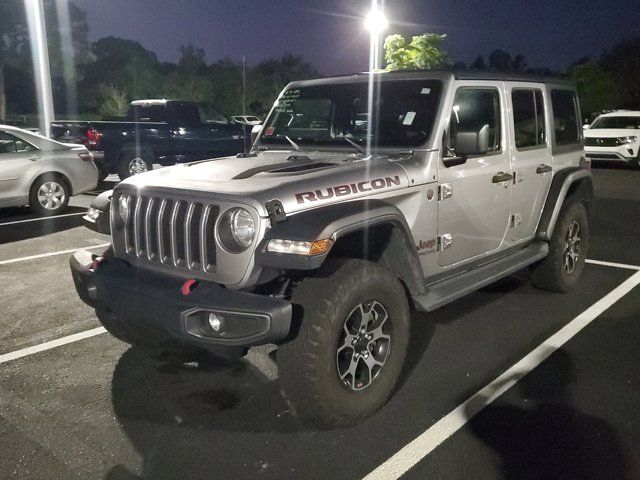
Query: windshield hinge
(276,211)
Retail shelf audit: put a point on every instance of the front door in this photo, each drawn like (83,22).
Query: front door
(474,206)
(531,157)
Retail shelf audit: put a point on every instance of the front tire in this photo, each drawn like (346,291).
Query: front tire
(133,163)
(561,269)
(352,341)
(49,195)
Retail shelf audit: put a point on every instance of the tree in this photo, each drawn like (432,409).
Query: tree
(13,38)
(422,52)
(113,101)
(122,63)
(596,88)
(623,64)
(501,61)
(65,40)
(268,78)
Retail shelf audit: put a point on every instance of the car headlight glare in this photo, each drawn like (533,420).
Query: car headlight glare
(123,207)
(626,140)
(236,230)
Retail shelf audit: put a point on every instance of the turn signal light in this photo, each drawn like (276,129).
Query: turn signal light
(299,247)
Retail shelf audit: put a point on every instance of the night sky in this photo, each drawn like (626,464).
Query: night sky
(330,34)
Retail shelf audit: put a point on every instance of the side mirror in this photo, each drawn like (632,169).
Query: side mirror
(586,126)
(473,143)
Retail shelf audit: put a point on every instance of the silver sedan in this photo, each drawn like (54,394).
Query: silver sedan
(42,173)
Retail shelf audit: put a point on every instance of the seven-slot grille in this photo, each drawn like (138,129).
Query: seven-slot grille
(176,233)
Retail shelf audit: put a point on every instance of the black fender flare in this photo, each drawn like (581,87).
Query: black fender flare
(339,221)
(567,182)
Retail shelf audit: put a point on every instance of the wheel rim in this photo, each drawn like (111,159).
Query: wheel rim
(51,195)
(137,165)
(572,247)
(364,346)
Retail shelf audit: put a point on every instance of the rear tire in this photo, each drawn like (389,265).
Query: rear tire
(561,269)
(133,163)
(322,378)
(49,194)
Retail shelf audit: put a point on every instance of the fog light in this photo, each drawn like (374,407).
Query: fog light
(215,322)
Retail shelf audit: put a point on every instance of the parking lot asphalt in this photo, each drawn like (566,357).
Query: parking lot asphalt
(97,408)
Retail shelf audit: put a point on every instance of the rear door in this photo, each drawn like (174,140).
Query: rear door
(530,155)
(473,212)
(16,158)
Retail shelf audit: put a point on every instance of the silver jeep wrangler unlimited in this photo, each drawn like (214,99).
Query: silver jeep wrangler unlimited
(363,198)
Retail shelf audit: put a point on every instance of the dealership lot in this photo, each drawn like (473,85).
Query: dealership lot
(96,408)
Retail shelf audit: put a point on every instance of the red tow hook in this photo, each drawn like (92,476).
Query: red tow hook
(96,263)
(188,286)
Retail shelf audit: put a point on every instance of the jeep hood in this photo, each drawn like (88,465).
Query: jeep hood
(299,180)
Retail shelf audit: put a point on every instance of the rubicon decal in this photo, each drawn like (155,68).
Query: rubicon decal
(350,189)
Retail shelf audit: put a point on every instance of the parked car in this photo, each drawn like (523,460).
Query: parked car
(614,136)
(312,243)
(247,119)
(154,131)
(41,172)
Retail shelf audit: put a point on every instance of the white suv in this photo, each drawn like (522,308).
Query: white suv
(614,136)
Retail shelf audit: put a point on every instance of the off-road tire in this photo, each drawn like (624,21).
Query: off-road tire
(550,273)
(34,203)
(307,364)
(126,158)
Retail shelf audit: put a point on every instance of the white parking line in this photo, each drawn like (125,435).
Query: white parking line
(613,264)
(42,218)
(7,357)
(416,450)
(51,254)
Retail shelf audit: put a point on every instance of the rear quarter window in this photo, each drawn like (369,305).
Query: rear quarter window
(565,117)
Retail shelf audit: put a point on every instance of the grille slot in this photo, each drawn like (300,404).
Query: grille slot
(179,233)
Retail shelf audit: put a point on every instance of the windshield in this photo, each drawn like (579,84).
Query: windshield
(630,123)
(403,114)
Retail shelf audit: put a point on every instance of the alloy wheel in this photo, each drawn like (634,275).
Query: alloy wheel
(137,165)
(51,195)
(364,346)
(572,247)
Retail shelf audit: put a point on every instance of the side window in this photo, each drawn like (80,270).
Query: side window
(528,118)
(7,143)
(565,117)
(11,144)
(474,109)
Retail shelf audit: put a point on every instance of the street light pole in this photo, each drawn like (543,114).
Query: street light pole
(40,57)
(376,23)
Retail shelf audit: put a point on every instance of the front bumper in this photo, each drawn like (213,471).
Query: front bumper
(157,301)
(623,153)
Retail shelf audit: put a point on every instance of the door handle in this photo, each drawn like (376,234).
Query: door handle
(502,177)
(543,169)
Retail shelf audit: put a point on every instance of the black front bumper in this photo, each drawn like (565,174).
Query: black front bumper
(157,301)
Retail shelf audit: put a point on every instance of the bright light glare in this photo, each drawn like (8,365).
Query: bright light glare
(376,21)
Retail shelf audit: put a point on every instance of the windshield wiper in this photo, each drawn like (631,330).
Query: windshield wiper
(352,143)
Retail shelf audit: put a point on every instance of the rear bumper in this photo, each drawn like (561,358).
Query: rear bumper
(156,301)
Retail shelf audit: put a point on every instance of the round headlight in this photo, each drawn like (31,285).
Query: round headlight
(123,207)
(236,230)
